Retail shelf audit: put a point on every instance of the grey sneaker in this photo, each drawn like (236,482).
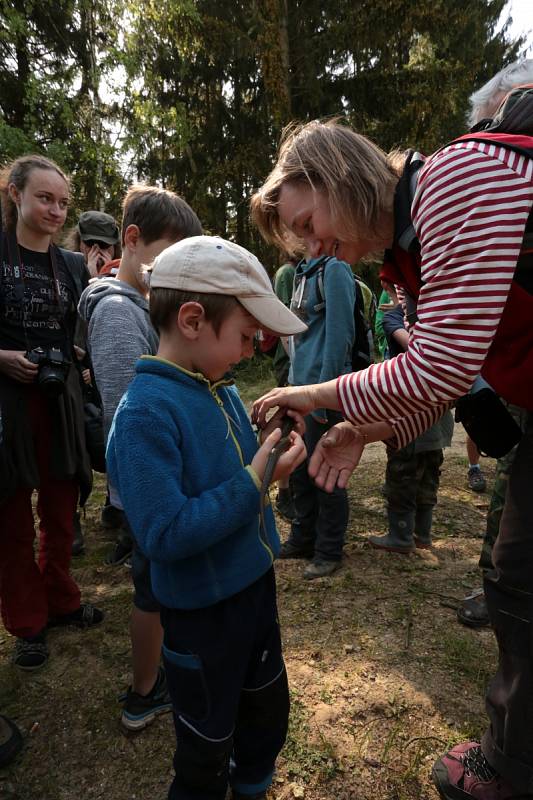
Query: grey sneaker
(476,479)
(320,569)
(140,710)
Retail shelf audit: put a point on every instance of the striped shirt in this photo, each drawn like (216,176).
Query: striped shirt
(469,212)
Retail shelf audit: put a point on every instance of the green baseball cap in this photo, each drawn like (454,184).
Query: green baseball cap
(99,226)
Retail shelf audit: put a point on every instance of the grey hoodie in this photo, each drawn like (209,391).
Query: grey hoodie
(119,332)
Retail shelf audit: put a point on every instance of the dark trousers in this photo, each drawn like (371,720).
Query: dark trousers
(30,593)
(321,517)
(229,691)
(508,744)
(412,479)
(499,491)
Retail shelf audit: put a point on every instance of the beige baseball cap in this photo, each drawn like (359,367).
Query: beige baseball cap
(212,265)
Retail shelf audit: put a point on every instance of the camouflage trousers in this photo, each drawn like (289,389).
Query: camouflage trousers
(412,479)
(497,500)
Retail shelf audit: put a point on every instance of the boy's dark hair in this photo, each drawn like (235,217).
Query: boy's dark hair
(165,304)
(158,214)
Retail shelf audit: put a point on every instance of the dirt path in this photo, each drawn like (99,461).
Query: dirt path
(382,676)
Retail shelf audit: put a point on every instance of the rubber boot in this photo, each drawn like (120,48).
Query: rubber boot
(78,544)
(399,539)
(423,522)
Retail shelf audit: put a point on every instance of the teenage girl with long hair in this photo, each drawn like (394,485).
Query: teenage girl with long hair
(43,444)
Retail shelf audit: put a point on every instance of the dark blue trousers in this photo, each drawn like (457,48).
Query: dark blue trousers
(321,517)
(228,685)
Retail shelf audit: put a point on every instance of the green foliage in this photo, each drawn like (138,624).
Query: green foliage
(193,94)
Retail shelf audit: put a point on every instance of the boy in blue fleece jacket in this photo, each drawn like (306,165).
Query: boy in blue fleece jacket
(184,458)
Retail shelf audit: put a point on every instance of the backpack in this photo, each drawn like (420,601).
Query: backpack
(363,345)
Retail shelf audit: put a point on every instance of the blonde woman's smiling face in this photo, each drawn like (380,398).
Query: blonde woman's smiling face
(307,214)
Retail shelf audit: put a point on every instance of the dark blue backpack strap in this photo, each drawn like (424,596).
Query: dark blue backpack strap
(404,232)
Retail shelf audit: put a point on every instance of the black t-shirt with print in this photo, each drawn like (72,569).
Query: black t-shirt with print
(46,323)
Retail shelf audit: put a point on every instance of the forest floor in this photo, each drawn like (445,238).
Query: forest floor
(383,679)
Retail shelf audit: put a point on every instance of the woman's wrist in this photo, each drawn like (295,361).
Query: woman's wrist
(324,395)
(361,435)
(375,431)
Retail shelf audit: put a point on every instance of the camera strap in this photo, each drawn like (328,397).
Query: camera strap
(13,253)
(15,261)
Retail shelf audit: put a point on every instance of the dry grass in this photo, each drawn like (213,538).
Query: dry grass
(382,676)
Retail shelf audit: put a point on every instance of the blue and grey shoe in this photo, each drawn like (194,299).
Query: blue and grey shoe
(140,710)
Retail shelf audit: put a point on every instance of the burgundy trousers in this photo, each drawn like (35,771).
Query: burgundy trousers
(32,591)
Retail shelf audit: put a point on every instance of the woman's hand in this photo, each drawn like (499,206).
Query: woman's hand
(297,398)
(16,366)
(336,456)
(276,420)
(288,461)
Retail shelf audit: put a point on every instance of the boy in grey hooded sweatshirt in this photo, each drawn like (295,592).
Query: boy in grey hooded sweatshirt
(120,332)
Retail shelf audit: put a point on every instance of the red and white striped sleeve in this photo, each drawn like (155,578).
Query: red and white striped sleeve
(469,212)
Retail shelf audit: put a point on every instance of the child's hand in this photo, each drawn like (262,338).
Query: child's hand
(288,460)
(276,420)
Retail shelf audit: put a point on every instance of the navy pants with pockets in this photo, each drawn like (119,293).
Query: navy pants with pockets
(228,684)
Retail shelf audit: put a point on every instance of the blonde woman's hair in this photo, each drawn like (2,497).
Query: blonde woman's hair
(357,177)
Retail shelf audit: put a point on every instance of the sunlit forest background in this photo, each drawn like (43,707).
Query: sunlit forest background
(193,94)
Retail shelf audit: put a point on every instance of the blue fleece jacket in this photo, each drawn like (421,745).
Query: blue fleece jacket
(178,452)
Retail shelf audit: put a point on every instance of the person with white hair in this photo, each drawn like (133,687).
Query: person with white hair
(485,102)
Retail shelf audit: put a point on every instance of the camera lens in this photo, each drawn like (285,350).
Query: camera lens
(53,370)
(51,382)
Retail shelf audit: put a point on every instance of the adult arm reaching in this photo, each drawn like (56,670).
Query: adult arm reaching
(338,452)
(303,399)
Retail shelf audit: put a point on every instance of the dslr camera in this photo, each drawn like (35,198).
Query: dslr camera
(53,369)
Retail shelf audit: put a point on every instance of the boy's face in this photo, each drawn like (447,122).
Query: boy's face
(235,341)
